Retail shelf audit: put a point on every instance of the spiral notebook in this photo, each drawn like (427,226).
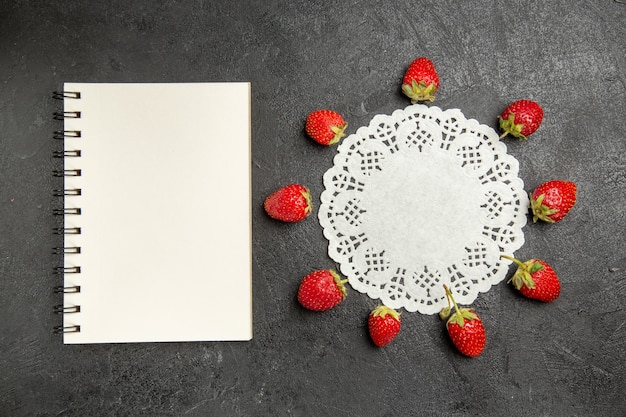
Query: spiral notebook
(157,219)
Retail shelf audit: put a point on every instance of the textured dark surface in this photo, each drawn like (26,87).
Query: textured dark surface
(561,359)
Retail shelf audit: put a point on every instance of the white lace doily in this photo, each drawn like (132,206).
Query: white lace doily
(422,198)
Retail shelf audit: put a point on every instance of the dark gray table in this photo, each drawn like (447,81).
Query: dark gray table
(562,359)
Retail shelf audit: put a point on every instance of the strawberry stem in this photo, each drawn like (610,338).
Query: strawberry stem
(456,307)
(517,261)
(460,314)
(523,275)
(444,314)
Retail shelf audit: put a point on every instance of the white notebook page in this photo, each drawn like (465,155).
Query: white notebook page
(165,212)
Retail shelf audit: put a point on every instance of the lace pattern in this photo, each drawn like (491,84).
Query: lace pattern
(421,198)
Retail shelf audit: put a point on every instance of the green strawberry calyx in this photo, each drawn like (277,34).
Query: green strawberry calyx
(540,210)
(339,132)
(460,314)
(309,202)
(339,282)
(523,275)
(419,91)
(383,311)
(510,128)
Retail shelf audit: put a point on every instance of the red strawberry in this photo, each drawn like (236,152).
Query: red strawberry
(521,118)
(420,82)
(290,203)
(465,328)
(384,325)
(536,279)
(321,290)
(552,200)
(325,126)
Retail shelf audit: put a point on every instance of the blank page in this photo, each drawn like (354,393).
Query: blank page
(165,242)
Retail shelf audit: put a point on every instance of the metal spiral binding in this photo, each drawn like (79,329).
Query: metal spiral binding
(62,309)
(67,173)
(57,115)
(66,231)
(62,134)
(61,95)
(66,154)
(67,270)
(72,289)
(66,329)
(65,250)
(64,192)
(66,211)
